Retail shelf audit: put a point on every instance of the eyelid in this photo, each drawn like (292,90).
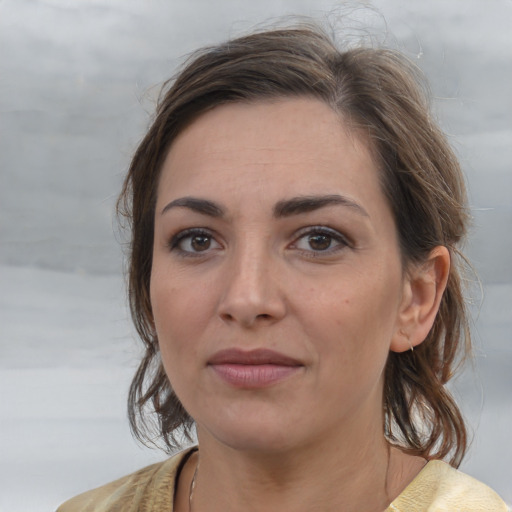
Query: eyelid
(341,238)
(178,237)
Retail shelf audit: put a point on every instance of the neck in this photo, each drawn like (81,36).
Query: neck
(342,476)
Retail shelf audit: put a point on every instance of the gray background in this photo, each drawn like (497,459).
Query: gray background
(78,79)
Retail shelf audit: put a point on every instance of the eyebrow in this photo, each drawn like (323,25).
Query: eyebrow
(203,206)
(285,208)
(304,204)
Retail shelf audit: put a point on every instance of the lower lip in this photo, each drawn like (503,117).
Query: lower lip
(250,376)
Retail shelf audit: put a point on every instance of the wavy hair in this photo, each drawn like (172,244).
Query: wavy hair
(381,95)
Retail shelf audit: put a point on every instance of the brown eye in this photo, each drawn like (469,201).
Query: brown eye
(320,241)
(200,242)
(194,241)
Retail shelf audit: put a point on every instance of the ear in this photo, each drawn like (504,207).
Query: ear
(423,289)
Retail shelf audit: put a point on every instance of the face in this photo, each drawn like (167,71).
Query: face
(276,281)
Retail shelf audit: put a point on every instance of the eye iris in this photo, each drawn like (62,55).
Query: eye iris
(200,242)
(319,242)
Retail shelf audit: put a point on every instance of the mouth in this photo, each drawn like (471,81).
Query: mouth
(253,369)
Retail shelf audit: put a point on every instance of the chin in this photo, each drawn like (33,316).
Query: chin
(260,444)
(252,436)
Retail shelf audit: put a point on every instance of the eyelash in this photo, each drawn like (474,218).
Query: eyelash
(341,240)
(178,238)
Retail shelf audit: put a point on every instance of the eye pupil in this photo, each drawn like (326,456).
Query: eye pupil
(200,242)
(319,242)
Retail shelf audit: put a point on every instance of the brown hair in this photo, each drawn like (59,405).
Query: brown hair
(381,95)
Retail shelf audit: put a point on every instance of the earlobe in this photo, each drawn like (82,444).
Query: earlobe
(421,297)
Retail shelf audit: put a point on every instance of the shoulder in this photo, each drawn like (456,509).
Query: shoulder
(441,488)
(150,488)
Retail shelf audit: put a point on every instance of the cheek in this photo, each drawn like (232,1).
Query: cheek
(167,312)
(174,335)
(180,312)
(354,318)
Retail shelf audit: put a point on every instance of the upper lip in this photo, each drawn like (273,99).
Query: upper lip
(252,357)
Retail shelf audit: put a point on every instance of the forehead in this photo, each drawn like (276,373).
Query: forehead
(286,146)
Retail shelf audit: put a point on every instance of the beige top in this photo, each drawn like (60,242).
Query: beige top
(437,488)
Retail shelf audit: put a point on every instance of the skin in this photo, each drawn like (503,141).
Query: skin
(325,287)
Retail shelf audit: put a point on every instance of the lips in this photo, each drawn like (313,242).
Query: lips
(253,369)
(252,357)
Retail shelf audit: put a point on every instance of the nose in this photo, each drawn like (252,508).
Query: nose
(251,294)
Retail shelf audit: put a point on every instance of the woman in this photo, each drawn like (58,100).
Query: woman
(294,275)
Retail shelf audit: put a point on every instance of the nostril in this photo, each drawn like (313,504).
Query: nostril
(229,317)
